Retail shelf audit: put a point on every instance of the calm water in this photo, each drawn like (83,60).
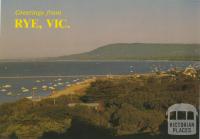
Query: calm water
(47,76)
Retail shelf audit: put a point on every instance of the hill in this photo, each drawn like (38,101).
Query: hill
(140,51)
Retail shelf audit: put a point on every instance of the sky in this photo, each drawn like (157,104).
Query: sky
(95,23)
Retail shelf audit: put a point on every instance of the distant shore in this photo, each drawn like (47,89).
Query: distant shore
(97,60)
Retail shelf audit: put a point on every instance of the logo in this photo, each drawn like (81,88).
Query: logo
(182,119)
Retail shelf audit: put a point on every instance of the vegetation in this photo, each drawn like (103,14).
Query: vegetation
(26,119)
(139,104)
(130,105)
(140,51)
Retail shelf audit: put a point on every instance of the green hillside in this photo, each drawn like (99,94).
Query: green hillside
(140,51)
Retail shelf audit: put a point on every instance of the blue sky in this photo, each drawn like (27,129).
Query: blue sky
(99,22)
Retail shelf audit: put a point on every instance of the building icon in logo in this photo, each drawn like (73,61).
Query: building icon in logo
(182,119)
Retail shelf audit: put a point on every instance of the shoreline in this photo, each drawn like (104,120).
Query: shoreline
(75,87)
(83,84)
(72,76)
(125,60)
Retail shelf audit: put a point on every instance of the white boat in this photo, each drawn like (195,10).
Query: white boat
(3,90)
(22,88)
(7,86)
(44,86)
(25,90)
(34,88)
(30,97)
(38,81)
(60,83)
(9,94)
(55,85)
(59,79)
(74,80)
(52,88)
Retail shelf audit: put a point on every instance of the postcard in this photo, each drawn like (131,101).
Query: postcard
(99,69)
